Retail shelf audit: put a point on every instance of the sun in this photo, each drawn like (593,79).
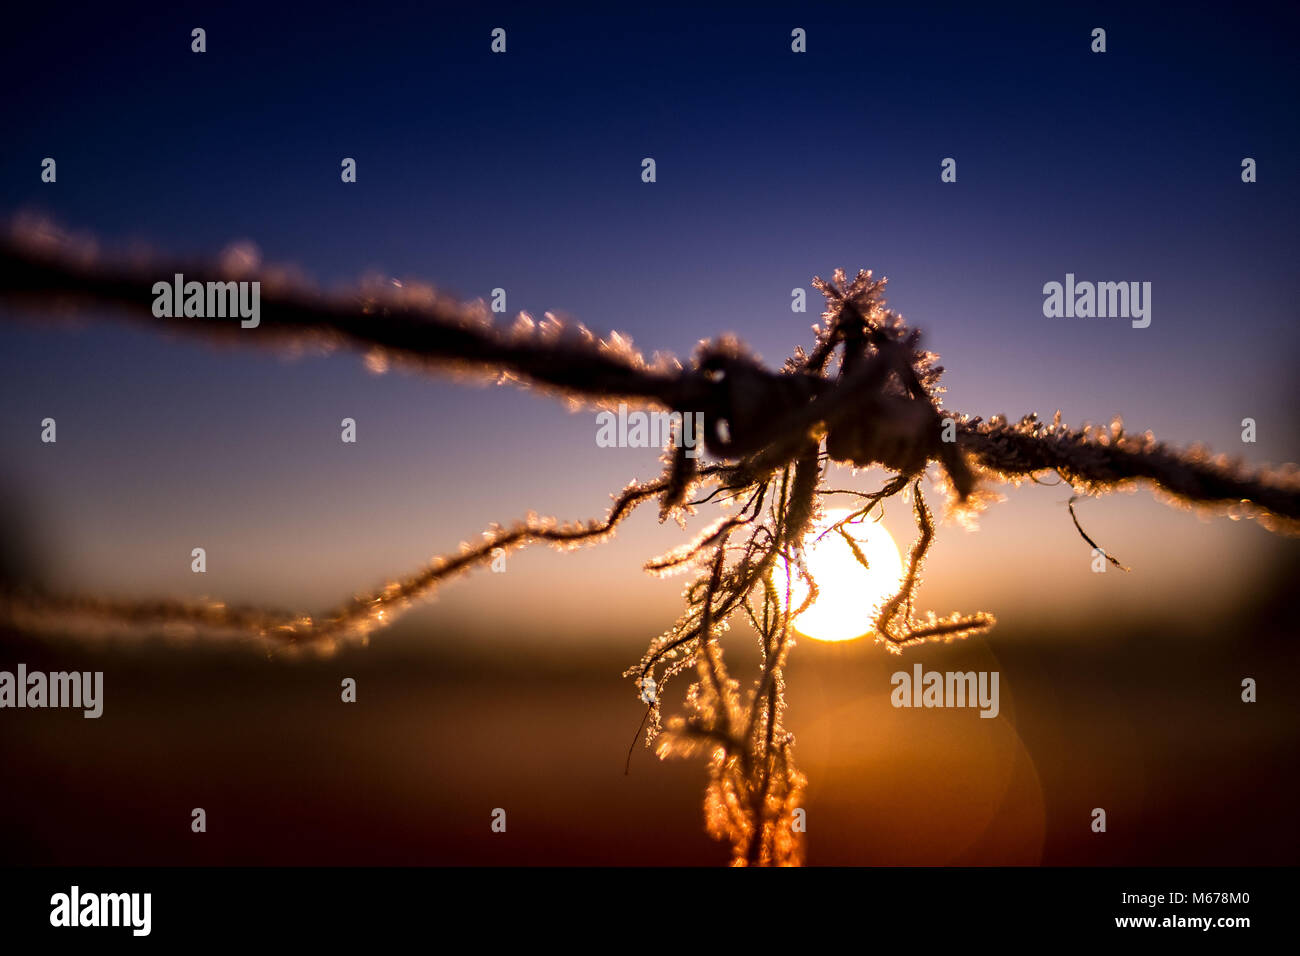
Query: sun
(848,595)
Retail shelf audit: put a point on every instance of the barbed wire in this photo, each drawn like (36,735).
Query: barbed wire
(866,394)
(878,407)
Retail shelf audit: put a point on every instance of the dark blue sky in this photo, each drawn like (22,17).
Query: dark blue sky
(523,171)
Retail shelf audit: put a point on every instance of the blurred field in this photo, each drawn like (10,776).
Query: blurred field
(1144,723)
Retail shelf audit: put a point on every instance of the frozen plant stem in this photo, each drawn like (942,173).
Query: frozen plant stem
(866,394)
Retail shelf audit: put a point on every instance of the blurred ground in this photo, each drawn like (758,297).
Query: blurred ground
(1145,723)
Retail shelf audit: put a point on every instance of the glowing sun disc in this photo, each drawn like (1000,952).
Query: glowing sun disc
(848,595)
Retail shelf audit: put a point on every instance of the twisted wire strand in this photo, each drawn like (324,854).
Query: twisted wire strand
(772,417)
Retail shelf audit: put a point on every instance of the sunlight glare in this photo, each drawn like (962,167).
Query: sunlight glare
(849,595)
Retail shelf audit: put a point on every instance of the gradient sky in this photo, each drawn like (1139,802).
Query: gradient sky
(523,171)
